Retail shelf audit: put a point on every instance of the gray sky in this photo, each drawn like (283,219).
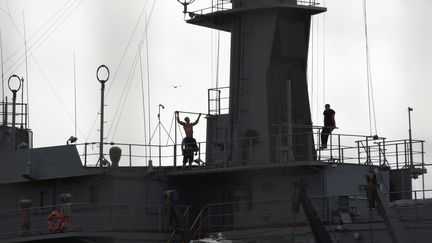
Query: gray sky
(98,32)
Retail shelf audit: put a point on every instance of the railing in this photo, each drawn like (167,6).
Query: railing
(218,101)
(223,5)
(90,218)
(280,148)
(20,114)
(277,213)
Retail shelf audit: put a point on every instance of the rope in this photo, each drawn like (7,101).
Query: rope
(17,64)
(40,28)
(143,104)
(123,97)
(126,49)
(371,103)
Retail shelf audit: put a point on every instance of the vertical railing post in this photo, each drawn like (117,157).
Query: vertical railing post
(358,152)
(405,152)
(319,143)
(199,154)
(368,159)
(339,148)
(379,153)
(423,169)
(208,99)
(130,155)
(397,156)
(175,142)
(331,147)
(85,154)
(384,148)
(219,102)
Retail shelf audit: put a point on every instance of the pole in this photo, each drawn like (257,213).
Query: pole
(159,129)
(75,96)
(175,140)
(102,161)
(410,136)
(101,124)
(13,117)
(1,60)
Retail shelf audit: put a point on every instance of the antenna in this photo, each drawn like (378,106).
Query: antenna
(75,97)
(1,60)
(26,71)
(102,160)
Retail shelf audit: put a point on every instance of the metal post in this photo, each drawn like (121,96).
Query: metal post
(410,136)
(14,90)
(397,156)
(219,102)
(101,124)
(130,155)
(102,81)
(339,148)
(423,168)
(85,154)
(367,152)
(175,141)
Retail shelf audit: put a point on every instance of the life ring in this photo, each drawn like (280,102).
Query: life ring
(55,221)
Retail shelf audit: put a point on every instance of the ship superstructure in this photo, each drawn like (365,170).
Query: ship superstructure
(259,176)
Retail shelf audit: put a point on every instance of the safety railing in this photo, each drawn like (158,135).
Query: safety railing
(20,114)
(274,149)
(87,218)
(218,101)
(262,215)
(223,5)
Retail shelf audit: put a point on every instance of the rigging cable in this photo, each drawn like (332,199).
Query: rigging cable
(118,67)
(217,58)
(127,87)
(37,31)
(43,72)
(143,102)
(123,97)
(57,23)
(323,56)
(27,79)
(75,96)
(371,103)
(126,49)
(148,81)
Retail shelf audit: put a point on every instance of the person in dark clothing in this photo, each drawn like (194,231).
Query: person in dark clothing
(189,145)
(329,125)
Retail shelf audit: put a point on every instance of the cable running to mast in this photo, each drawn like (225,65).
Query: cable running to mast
(371,103)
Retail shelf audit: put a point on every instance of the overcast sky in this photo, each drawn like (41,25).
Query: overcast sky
(110,32)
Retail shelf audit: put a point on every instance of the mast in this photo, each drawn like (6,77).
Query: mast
(269,104)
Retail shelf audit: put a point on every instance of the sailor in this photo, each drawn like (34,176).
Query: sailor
(189,145)
(329,125)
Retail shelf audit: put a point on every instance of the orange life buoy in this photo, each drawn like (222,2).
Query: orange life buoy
(55,221)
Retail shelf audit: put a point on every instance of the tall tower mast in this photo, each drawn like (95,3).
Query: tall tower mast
(268,86)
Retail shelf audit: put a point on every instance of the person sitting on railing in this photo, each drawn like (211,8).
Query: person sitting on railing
(189,145)
(329,125)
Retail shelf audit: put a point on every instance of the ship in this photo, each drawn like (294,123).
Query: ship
(260,175)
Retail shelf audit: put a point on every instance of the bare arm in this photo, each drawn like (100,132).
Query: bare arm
(178,119)
(197,120)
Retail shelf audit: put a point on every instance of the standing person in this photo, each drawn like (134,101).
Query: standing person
(329,125)
(189,145)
